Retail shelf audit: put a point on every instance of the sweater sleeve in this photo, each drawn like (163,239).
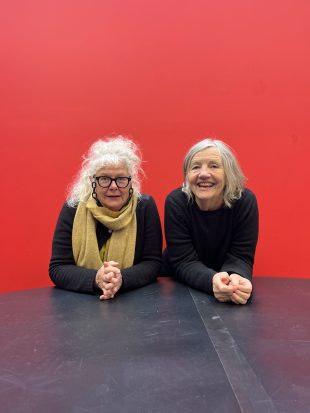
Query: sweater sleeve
(148,256)
(240,257)
(183,257)
(62,268)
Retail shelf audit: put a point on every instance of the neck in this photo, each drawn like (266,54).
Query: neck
(207,205)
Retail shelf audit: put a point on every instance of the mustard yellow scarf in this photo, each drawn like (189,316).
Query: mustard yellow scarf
(121,245)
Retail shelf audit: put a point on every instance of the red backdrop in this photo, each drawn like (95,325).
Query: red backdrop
(167,73)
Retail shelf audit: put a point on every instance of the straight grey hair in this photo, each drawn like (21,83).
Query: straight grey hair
(234,177)
(110,151)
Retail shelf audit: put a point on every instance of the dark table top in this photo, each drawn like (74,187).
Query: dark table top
(162,348)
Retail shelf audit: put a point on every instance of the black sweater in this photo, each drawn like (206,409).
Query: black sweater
(202,243)
(147,260)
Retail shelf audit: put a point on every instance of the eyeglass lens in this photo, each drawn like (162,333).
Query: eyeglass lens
(106,181)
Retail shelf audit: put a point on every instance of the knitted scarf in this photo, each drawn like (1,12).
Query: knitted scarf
(121,245)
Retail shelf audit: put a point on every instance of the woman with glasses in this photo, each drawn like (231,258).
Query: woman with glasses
(211,224)
(108,236)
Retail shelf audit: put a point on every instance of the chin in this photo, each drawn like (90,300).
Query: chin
(114,207)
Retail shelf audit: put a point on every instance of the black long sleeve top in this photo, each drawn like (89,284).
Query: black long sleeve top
(147,259)
(202,243)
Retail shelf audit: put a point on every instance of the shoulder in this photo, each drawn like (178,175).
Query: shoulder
(145,202)
(67,213)
(246,205)
(68,210)
(177,196)
(147,210)
(247,198)
(145,199)
(177,206)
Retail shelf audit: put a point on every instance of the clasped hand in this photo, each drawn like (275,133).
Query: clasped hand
(109,279)
(231,287)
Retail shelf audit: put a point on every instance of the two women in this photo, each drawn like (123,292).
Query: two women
(108,236)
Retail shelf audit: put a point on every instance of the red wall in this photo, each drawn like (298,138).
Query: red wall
(168,73)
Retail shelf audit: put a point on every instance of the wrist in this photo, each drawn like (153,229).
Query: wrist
(97,280)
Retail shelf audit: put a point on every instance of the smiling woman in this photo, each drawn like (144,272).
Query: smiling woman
(108,236)
(206,179)
(211,224)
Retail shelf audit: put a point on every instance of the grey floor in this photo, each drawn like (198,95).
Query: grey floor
(162,348)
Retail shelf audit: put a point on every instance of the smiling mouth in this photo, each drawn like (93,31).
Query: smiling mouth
(205,184)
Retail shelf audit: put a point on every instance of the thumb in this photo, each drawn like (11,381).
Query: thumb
(224,277)
(114,264)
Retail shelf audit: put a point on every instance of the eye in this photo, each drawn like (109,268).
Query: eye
(104,179)
(194,167)
(121,180)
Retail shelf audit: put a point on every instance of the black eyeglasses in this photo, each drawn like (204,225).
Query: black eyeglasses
(106,181)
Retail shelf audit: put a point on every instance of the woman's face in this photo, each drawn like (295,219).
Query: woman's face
(206,179)
(113,197)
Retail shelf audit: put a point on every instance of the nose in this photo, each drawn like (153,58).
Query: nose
(113,185)
(204,171)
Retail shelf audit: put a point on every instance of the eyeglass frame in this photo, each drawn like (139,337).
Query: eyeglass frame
(111,180)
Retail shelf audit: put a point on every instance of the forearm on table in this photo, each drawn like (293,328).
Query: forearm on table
(74,278)
(140,274)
